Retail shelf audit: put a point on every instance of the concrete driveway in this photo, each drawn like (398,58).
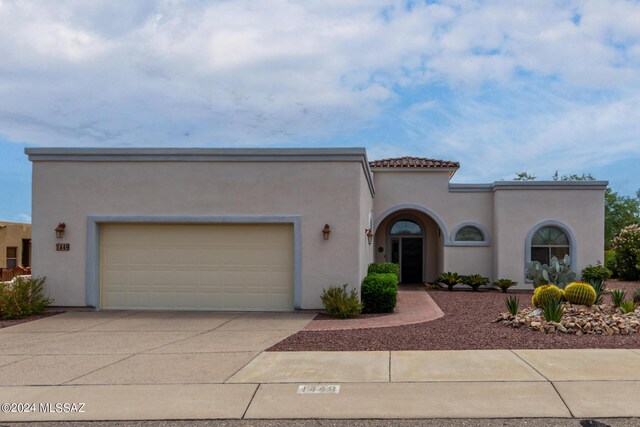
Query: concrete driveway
(125,359)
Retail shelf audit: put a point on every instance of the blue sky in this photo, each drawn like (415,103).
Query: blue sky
(499,86)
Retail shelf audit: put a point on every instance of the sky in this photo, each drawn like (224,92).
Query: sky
(499,86)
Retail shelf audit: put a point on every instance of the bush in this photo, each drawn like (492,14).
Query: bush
(595,272)
(627,248)
(22,297)
(553,310)
(610,262)
(340,303)
(450,279)
(618,296)
(384,268)
(475,281)
(379,293)
(512,304)
(504,284)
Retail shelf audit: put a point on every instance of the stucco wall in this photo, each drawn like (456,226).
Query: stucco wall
(519,211)
(430,189)
(11,235)
(320,192)
(366,218)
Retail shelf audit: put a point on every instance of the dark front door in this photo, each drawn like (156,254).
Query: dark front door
(411,260)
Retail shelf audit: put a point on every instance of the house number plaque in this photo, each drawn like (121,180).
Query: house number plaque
(63,247)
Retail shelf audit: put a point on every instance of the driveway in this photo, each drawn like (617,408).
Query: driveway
(115,359)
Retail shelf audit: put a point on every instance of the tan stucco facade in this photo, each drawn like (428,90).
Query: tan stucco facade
(307,188)
(15,235)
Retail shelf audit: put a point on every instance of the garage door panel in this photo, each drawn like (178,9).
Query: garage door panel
(220,267)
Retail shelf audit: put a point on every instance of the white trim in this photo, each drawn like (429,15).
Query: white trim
(418,208)
(573,244)
(93,242)
(483,230)
(528,185)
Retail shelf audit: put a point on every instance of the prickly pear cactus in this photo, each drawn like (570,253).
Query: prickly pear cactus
(545,293)
(580,293)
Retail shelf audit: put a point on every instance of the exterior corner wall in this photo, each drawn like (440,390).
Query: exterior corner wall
(323,192)
(366,250)
(517,212)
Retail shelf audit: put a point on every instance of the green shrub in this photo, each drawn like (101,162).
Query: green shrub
(610,262)
(627,306)
(553,310)
(599,287)
(379,293)
(618,296)
(475,281)
(450,279)
(504,284)
(595,272)
(384,268)
(512,303)
(627,248)
(340,303)
(22,297)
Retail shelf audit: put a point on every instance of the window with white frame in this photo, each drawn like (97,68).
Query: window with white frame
(549,242)
(469,233)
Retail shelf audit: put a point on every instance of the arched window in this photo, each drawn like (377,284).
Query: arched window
(406,227)
(549,242)
(469,233)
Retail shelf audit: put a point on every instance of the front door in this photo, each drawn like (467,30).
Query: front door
(411,260)
(407,252)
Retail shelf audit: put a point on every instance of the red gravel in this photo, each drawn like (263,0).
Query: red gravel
(467,324)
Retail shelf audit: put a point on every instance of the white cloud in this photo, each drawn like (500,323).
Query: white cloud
(496,83)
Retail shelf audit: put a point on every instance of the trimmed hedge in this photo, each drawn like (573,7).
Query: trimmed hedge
(384,268)
(379,293)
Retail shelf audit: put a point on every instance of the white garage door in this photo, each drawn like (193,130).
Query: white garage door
(197,267)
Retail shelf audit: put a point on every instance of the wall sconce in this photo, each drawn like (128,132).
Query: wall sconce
(325,231)
(60,230)
(369,235)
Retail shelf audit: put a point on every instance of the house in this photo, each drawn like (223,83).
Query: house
(15,245)
(268,229)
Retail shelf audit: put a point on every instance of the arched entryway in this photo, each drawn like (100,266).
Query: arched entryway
(414,240)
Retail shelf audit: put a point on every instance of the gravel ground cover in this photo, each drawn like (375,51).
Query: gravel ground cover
(467,324)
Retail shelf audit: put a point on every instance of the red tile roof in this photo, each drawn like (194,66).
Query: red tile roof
(413,162)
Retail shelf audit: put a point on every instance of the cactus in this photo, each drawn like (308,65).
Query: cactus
(545,293)
(580,293)
(557,272)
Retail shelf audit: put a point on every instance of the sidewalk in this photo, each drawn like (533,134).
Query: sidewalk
(409,384)
(414,306)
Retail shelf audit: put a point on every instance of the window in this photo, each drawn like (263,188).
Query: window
(406,227)
(12,257)
(549,242)
(469,233)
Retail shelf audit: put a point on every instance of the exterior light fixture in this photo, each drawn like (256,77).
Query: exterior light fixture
(369,235)
(60,230)
(325,231)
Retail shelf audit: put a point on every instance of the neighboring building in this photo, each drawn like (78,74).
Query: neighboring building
(242,229)
(15,244)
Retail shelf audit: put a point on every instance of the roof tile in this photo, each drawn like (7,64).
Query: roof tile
(413,162)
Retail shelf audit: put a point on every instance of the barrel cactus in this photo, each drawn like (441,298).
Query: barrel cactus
(580,293)
(545,293)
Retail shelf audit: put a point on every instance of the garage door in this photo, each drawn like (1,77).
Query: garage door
(197,267)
